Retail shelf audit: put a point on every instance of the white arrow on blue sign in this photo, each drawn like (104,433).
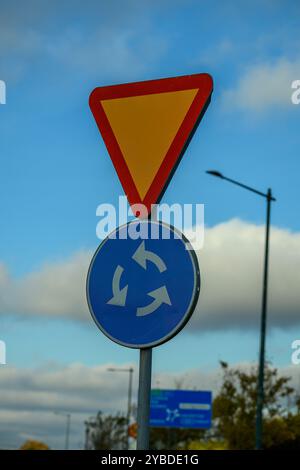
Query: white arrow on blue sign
(141,292)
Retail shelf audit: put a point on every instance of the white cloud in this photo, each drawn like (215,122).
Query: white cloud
(216,54)
(264,86)
(109,50)
(109,40)
(231,264)
(57,289)
(29,397)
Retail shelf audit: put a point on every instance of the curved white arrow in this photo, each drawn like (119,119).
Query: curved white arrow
(141,255)
(160,297)
(119,295)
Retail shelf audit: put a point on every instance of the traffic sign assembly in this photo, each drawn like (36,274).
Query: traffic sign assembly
(181,409)
(132,286)
(147,126)
(141,291)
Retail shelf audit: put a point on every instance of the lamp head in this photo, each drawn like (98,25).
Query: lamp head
(215,173)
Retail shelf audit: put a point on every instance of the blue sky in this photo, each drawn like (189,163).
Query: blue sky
(55,169)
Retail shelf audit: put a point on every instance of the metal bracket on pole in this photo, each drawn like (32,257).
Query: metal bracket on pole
(143,411)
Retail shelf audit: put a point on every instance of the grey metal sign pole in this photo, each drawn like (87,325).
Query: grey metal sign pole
(143,411)
(144,392)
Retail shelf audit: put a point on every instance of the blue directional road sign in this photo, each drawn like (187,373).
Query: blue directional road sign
(143,284)
(181,409)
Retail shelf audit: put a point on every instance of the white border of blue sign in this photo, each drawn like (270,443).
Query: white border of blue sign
(193,302)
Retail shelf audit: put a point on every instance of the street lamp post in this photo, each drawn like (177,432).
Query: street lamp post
(263,325)
(68,424)
(130,371)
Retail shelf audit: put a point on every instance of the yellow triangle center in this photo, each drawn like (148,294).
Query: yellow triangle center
(145,127)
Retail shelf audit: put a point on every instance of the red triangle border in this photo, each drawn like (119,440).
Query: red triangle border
(194,115)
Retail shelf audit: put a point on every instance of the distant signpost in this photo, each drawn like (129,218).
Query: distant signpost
(181,409)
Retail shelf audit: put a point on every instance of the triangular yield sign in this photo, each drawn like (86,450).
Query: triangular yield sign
(146,127)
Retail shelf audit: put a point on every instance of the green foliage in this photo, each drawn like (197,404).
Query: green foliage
(234,408)
(172,439)
(107,432)
(210,444)
(290,433)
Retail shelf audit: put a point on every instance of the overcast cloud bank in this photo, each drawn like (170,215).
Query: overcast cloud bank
(231,265)
(29,397)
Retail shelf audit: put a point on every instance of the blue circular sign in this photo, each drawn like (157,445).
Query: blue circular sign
(143,284)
